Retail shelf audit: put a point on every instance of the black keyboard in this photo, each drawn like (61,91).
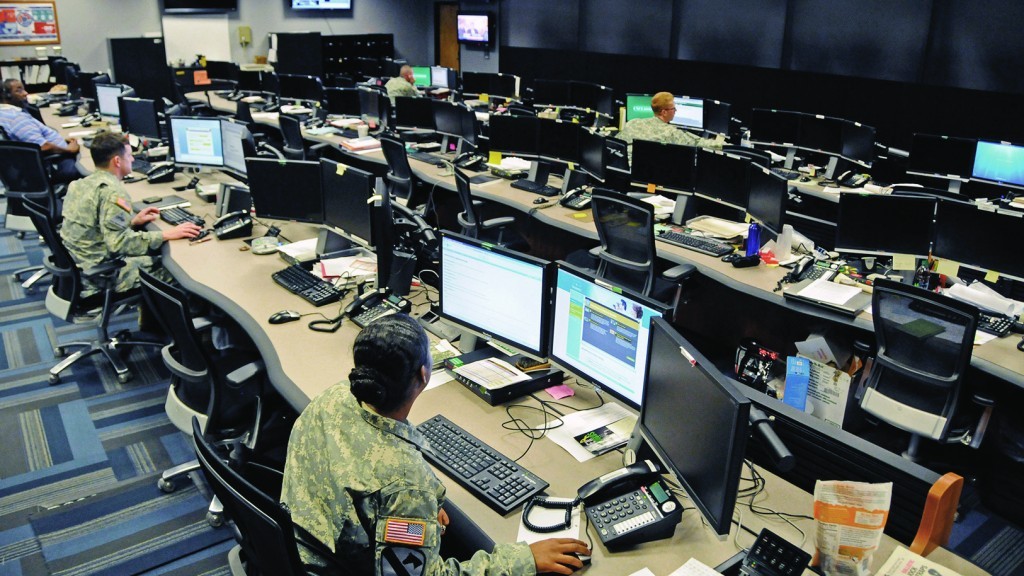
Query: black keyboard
(531,186)
(696,243)
(175,216)
(486,473)
(311,287)
(786,173)
(425,157)
(141,166)
(994,324)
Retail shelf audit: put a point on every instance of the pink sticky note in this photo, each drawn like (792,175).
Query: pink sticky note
(560,391)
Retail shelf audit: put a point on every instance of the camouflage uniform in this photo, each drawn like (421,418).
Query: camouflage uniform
(97,226)
(352,474)
(656,130)
(399,86)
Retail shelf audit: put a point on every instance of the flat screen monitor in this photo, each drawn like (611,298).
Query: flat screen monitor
(592,153)
(689,113)
(89,87)
(473,28)
(722,177)
(820,133)
(505,85)
(717,115)
(858,143)
(696,422)
(321,4)
(249,81)
(373,105)
(592,96)
(343,101)
(979,238)
(489,83)
(553,92)
(667,166)
(777,127)
(233,134)
(106,99)
(941,156)
(414,113)
(470,126)
(442,77)
(518,135)
(421,75)
(560,141)
(196,141)
(600,333)
(222,70)
(347,205)
(286,189)
(616,156)
(885,224)
(766,202)
(301,87)
(499,293)
(270,83)
(200,6)
(1000,163)
(638,106)
(139,116)
(447,119)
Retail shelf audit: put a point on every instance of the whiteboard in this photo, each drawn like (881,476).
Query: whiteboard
(206,34)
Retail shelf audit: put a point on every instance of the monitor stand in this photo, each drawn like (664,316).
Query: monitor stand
(330,244)
(954,186)
(790,158)
(573,179)
(537,180)
(539,379)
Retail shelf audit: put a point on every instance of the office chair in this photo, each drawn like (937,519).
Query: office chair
(182,106)
(294,144)
(64,299)
(335,80)
(222,393)
(400,180)
(626,256)
(252,148)
(493,229)
(924,345)
(267,539)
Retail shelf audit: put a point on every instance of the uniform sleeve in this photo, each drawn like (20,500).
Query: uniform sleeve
(118,235)
(408,539)
(689,139)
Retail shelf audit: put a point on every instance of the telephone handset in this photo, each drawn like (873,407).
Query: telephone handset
(631,505)
(850,179)
(236,224)
(374,304)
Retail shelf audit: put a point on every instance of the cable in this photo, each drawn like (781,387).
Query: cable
(519,425)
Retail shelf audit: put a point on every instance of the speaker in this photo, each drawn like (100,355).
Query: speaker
(403,266)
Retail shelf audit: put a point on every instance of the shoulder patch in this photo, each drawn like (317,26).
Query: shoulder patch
(123,205)
(402,562)
(405,532)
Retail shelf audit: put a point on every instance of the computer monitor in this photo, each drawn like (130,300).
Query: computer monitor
(233,134)
(222,70)
(885,225)
(470,127)
(270,83)
(553,92)
(414,113)
(667,166)
(518,135)
(638,106)
(196,141)
(600,332)
(373,105)
(722,177)
(140,116)
(717,115)
(447,119)
(999,163)
(106,100)
(858,143)
(777,127)
(301,87)
(421,75)
(689,113)
(696,422)
(980,239)
(592,96)
(347,206)
(766,202)
(592,153)
(80,83)
(560,141)
(442,77)
(941,156)
(286,189)
(820,133)
(499,293)
(89,91)
(249,81)
(343,101)
(490,83)
(616,157)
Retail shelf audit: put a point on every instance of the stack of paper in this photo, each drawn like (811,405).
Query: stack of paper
(717,227)
(364,143)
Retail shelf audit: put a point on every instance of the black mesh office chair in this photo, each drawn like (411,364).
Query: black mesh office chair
(64,299)
(626,256)
(400,180)
(924,345)
(251,148)
(294,144)
(182,106)
(494,230)
(267,541)
(222,391)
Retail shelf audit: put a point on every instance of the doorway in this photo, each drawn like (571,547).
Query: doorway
(446,43)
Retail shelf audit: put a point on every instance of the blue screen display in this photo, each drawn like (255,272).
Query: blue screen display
(999,162)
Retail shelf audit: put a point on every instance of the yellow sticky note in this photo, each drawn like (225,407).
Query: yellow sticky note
(948,267)
(572,166)
(992,276)
(340,170)
(747,218)
(579,215)
(485,97)
(575,120)
(651,188)
(904,262)
(494,158)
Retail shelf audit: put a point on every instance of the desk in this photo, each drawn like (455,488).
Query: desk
(302,364)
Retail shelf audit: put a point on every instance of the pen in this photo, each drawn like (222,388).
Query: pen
(200,241)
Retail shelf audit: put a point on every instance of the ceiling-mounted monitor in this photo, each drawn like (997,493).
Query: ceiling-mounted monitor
(474,28)
(321,4)
(200,6)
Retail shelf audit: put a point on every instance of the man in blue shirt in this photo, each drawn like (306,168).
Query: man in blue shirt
(22,127)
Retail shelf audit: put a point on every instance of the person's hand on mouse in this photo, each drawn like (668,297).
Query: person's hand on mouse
(556,555)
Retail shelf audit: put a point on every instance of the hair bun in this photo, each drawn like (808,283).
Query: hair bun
(367,385)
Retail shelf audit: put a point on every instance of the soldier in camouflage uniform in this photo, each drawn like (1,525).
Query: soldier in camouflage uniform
(658,129)
(99,222)
(402,85)
(354,477)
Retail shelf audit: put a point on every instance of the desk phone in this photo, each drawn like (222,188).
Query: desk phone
(631,505)
(376,304)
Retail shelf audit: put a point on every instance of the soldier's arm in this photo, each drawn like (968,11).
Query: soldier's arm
(118,235)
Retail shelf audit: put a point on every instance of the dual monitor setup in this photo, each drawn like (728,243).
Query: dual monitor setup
(440,116)
(835,137)
(575,94)
(204,142)
(551,140)
(960,159)
(435,77)
(696,114)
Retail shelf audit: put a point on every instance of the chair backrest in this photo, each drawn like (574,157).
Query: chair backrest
(243,112)
(468,218)
(62,299)
(399,176)
(23,172)
(625,227)
(291,131)
(265,530)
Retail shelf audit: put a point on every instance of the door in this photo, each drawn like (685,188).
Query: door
(446,43)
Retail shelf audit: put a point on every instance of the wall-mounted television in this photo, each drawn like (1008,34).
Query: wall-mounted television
(321,4)
(474,29)
(200,6)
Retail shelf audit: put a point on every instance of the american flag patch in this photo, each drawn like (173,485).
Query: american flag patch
(409,532)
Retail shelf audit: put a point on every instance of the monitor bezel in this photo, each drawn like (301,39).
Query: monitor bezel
(287,218)
(854,196)
(534,152)
(329,166)
(944,176)
(140,102)
(660,186)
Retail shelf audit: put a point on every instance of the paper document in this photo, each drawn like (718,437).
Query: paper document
(903,562)
(985,298)
(694,567)
(717,227)
(492,373)
(345,122)
(825,290)
(550,517)
(588,433)
(350,266)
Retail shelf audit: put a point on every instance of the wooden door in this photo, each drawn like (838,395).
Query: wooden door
(445,39)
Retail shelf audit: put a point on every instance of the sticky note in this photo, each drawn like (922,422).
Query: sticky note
(992,276)
(572,166)
(560,391)
(904,262)
(747,218)
(579,215)
(485,97)
(575,120)
(948,267)
(651,188)
(494,158)
(340,170)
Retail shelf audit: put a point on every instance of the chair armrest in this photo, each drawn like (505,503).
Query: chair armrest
(679,272)
(497,222)
(178,369)
(268,148)
(243,374)
(319,146)
(939,511)
(103,269)
(56,270)
(202,323)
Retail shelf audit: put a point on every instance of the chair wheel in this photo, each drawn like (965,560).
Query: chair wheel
(54,379)
(214,520)
(166,486)
(59,352)
(19,235)
(124,378)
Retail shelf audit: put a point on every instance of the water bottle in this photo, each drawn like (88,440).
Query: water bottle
(753,239)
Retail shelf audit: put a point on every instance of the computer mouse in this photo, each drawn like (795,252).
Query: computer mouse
(583,558)
(805,179)
(540,200)
(284,316)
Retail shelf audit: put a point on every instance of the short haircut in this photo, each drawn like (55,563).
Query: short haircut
(405,69)
(662,101)
(8,94)
(105,146)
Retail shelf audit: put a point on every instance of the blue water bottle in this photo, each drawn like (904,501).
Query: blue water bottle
(753,239)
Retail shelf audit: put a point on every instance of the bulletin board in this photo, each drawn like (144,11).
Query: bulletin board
(23,23)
